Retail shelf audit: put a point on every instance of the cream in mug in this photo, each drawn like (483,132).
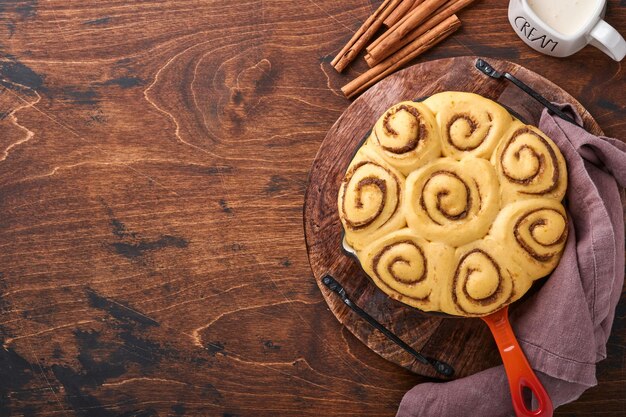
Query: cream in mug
(564,27)
(564,16)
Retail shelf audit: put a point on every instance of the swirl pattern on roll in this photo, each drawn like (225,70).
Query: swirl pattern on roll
(469,124)
(407,267)
(454,205)
(452,201)
(370,199)
(483,280)
(406,136)
(530,165)
(536,231)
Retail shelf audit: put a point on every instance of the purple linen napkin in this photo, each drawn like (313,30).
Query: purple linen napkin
(564,327)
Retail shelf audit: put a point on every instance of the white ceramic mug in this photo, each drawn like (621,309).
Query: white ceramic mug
(565,26)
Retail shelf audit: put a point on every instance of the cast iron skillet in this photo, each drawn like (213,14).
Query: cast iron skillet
(520,375)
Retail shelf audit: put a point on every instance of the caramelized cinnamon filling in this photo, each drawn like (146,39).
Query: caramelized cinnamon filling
(442,194)
(528,248)
(379,183)
(541,163)
(492,299)
(473,126)
(376,261)
(413,142)
(389,267)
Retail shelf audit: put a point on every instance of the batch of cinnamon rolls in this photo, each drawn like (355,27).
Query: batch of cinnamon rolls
(454,205)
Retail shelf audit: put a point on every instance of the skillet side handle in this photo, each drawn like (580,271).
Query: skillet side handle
(518,371)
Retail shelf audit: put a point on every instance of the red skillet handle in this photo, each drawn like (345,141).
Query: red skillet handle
(518,371)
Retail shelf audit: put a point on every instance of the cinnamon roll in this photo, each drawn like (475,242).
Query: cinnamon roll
(370,199)
(465,233)
(535,231)
(406,136)
(483,280)
(468,123)
(452,201)
(408,268)
(529,165)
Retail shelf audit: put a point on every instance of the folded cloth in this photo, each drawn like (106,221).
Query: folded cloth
(564,327)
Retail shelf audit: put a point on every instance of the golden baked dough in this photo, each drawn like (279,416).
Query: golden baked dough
(407,267)
(452,201)
(469,124)
(454,205)
(534,231)
(483,280)
(370,199)
(529,165)
(406,136)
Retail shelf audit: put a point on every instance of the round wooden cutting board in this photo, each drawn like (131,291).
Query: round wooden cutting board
(464,343)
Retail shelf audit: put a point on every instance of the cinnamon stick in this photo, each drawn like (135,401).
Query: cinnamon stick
(406,54)
(442,13)
(403,27)
(399,12)
(363,35)
(417,3)
(382,37)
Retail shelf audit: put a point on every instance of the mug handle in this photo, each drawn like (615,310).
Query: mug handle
(608,40)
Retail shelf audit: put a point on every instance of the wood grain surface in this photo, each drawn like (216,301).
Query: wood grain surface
(153,162)
(466,344)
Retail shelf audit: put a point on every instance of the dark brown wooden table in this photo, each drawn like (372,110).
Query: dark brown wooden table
(153,161)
